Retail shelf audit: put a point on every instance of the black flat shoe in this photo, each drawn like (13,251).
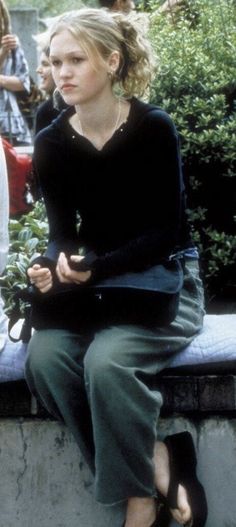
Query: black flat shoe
(183,463)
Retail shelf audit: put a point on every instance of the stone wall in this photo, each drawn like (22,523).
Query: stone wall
(25,24)
(45,482)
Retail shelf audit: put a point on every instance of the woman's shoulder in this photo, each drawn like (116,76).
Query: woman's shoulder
(152,114)
(45,114)
(45,105)
(54,133)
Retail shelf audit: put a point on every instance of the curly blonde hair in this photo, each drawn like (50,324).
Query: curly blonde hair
(100,32)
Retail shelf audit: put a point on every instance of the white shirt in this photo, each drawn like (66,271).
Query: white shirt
(4,238)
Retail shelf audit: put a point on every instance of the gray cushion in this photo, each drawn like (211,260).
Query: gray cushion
(212,349)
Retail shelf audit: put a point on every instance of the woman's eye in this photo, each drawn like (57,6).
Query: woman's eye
(55,63)
(76,60)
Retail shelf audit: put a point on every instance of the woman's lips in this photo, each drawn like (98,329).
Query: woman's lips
(68,87)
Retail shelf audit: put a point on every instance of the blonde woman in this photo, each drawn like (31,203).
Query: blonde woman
(114,160)
(50,108)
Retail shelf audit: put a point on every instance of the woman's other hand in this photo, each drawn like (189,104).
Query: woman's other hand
(67,275)
(41,277)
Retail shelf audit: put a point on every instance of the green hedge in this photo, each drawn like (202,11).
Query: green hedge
(28,239)
(196,84)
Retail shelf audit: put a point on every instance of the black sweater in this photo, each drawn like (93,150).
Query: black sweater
(46,113)
(129,195)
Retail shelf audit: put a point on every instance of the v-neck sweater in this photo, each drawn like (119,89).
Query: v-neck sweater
(129,195)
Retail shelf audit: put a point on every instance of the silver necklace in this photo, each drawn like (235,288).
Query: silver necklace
(116,123)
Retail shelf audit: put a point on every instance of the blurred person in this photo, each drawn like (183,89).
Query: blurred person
(171,5)
(14,79)
(50,108)
(47,83)
(125,6)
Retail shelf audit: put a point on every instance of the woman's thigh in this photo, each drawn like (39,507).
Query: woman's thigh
(55,350)
(150,349)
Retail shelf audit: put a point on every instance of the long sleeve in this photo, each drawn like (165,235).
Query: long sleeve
(51,169)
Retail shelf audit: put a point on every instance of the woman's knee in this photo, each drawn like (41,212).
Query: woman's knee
(42,352)
(104,360)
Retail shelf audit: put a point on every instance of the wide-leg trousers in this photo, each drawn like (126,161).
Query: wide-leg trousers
(101,385)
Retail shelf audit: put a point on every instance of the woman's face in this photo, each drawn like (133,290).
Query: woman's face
(74,74)
(44,70)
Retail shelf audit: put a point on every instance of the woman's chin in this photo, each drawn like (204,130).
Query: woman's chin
(69,97)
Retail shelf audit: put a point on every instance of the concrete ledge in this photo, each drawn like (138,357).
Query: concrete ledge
(195,394)
(182,394)
(16,400)
(45,482)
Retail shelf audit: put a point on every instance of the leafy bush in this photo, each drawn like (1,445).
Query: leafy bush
(28,239)
(196,84)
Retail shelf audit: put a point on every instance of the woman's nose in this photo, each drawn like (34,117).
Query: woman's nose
(65,71)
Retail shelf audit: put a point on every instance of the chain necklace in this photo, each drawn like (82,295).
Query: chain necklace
(116,123)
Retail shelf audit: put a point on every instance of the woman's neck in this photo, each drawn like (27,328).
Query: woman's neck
(99,122)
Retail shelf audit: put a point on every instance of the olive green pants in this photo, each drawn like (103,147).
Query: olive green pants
(100,385)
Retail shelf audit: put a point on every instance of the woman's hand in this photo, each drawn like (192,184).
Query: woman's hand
(66,274)
(9,42)
(41,277)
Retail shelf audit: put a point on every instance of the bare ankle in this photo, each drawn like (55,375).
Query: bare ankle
(162,469)
(140,512)
(162,480)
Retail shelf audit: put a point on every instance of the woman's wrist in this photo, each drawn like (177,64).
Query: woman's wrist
(2,81)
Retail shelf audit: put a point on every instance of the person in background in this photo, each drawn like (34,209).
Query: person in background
(14,78)
(98,378)
(51,107)
(125,6)
(12,354)
(171,5)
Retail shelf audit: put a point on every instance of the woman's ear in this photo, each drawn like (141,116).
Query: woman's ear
(114,62)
